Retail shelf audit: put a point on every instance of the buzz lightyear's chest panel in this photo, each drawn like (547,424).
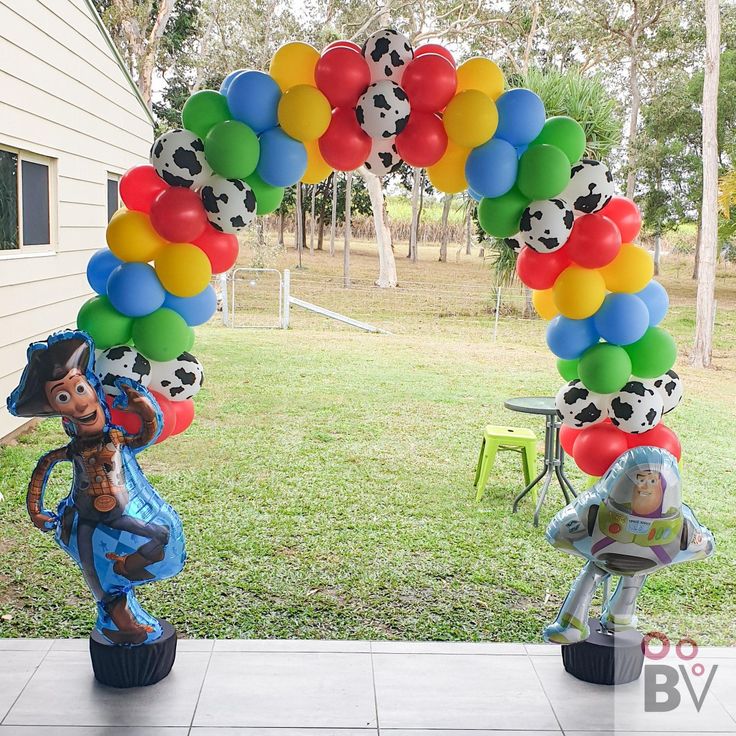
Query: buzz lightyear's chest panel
(636,530)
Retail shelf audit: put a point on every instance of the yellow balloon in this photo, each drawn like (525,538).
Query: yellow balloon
(481,74)
(579,292)
(630,271)
(183,269)
(544,302)
(131,237)
(448,174)
(304,112)
(470,119)
(294,64)
(317,168)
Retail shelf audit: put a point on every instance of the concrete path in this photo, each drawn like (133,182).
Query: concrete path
(353,688)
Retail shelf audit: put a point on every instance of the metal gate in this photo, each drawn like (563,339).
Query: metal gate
(258,294)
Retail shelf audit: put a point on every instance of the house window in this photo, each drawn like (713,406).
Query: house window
(113,195)
(26,214)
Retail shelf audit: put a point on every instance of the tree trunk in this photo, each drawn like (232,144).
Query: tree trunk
(347,229)
(698,243)
(414,227)
(281,227)
(321,232)
(386,262)
(705,304)
(311,222)
(657,251)
(635,103)
(415,257)
(299,223)
(334,213)
(445,234)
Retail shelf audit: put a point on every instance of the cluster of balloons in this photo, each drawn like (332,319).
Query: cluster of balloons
(575,250)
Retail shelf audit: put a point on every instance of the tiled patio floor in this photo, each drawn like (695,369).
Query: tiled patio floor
(346,688)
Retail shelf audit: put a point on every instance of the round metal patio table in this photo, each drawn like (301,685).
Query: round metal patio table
(554,455)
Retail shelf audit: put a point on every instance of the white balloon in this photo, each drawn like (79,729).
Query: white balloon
(177,379)
(383,110)
(387,52)
(591,186)
(178,157)
(546,225)
(578,407)
(121,361)
(637,407)
(230,203)
(384,157)
(670,389)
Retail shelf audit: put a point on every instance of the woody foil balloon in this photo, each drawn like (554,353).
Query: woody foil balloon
(112,523)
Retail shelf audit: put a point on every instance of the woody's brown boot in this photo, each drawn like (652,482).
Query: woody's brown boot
(129,630)
(132,566)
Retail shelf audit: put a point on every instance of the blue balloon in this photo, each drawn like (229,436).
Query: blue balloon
(655,296)
(491,168)
(474,195)
(283,160)
(622,319)
(520,150)
(225,86)
(521,116)
(134,289)
(194,310)
(570,338)
(99,268)
(253,98)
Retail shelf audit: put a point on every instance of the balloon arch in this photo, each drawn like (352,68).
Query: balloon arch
(377,106)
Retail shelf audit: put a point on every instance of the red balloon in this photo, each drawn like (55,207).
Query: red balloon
(342,76)
(184,411)
(597,448)
(178,215)
(221,248)
(131,422)
(540,270)
(345,145)
(139,186)
(660,436)
(625,214)
(128,420)
(434,48)
(169,415)
(430,81)
(342,44)
(594,241)
(568,436)
(423,141)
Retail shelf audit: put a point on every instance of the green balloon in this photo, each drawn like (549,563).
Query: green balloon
(268,198)
(103,323)
(604,368)
(500,216)
(544,172)
(203,110)
(653,354)
(568,369)
(162,335)
(232,150)
(564,133)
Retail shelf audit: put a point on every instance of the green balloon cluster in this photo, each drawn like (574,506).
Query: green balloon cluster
(500,216)
(268,198)
(162,335)
(232,149)
(605,368)
(104,324)
(203,110)
(544,172)
(564,133)
(652,355)
(568,369)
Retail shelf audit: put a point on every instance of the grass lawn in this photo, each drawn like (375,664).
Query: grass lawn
(325,486)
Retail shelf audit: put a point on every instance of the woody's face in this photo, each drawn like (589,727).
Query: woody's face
(74,398)
(648,493)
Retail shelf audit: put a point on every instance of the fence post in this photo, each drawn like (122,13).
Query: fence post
(223,292)
(498,309)
(285,299)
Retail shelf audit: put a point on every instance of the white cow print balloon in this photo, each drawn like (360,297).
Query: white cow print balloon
(637,407)
(177,379)
(590,188)
(383,110)
(178,157)
(516,243)
(121,361)
(230,203)
(384,158)
(546,225)
(670,389)
(387,53)
(579,407)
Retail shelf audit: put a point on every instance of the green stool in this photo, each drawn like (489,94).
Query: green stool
(496,438)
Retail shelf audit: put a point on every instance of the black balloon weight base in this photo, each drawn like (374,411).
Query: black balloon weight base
(605,658)
(133,666)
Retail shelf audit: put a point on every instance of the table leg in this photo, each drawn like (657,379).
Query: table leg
(542,494)
(549,455)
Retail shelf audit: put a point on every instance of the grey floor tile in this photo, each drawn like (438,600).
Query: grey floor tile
(70,645)
(543,650)
(92,731)
(290,645)
(63,691)
(461,732)
(219,731)
(287,689)
(445,647)
(16,669)
(450,691)
(723,684)
(644,733)
(581,706)
(25,645)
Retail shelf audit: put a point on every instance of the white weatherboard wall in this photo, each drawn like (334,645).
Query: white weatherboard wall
(64,94)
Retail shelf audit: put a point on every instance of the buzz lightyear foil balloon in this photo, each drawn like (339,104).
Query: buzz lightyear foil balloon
(631,524)
(112,523)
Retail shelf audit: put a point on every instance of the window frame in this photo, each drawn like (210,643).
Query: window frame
(112,176)
(51,164)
